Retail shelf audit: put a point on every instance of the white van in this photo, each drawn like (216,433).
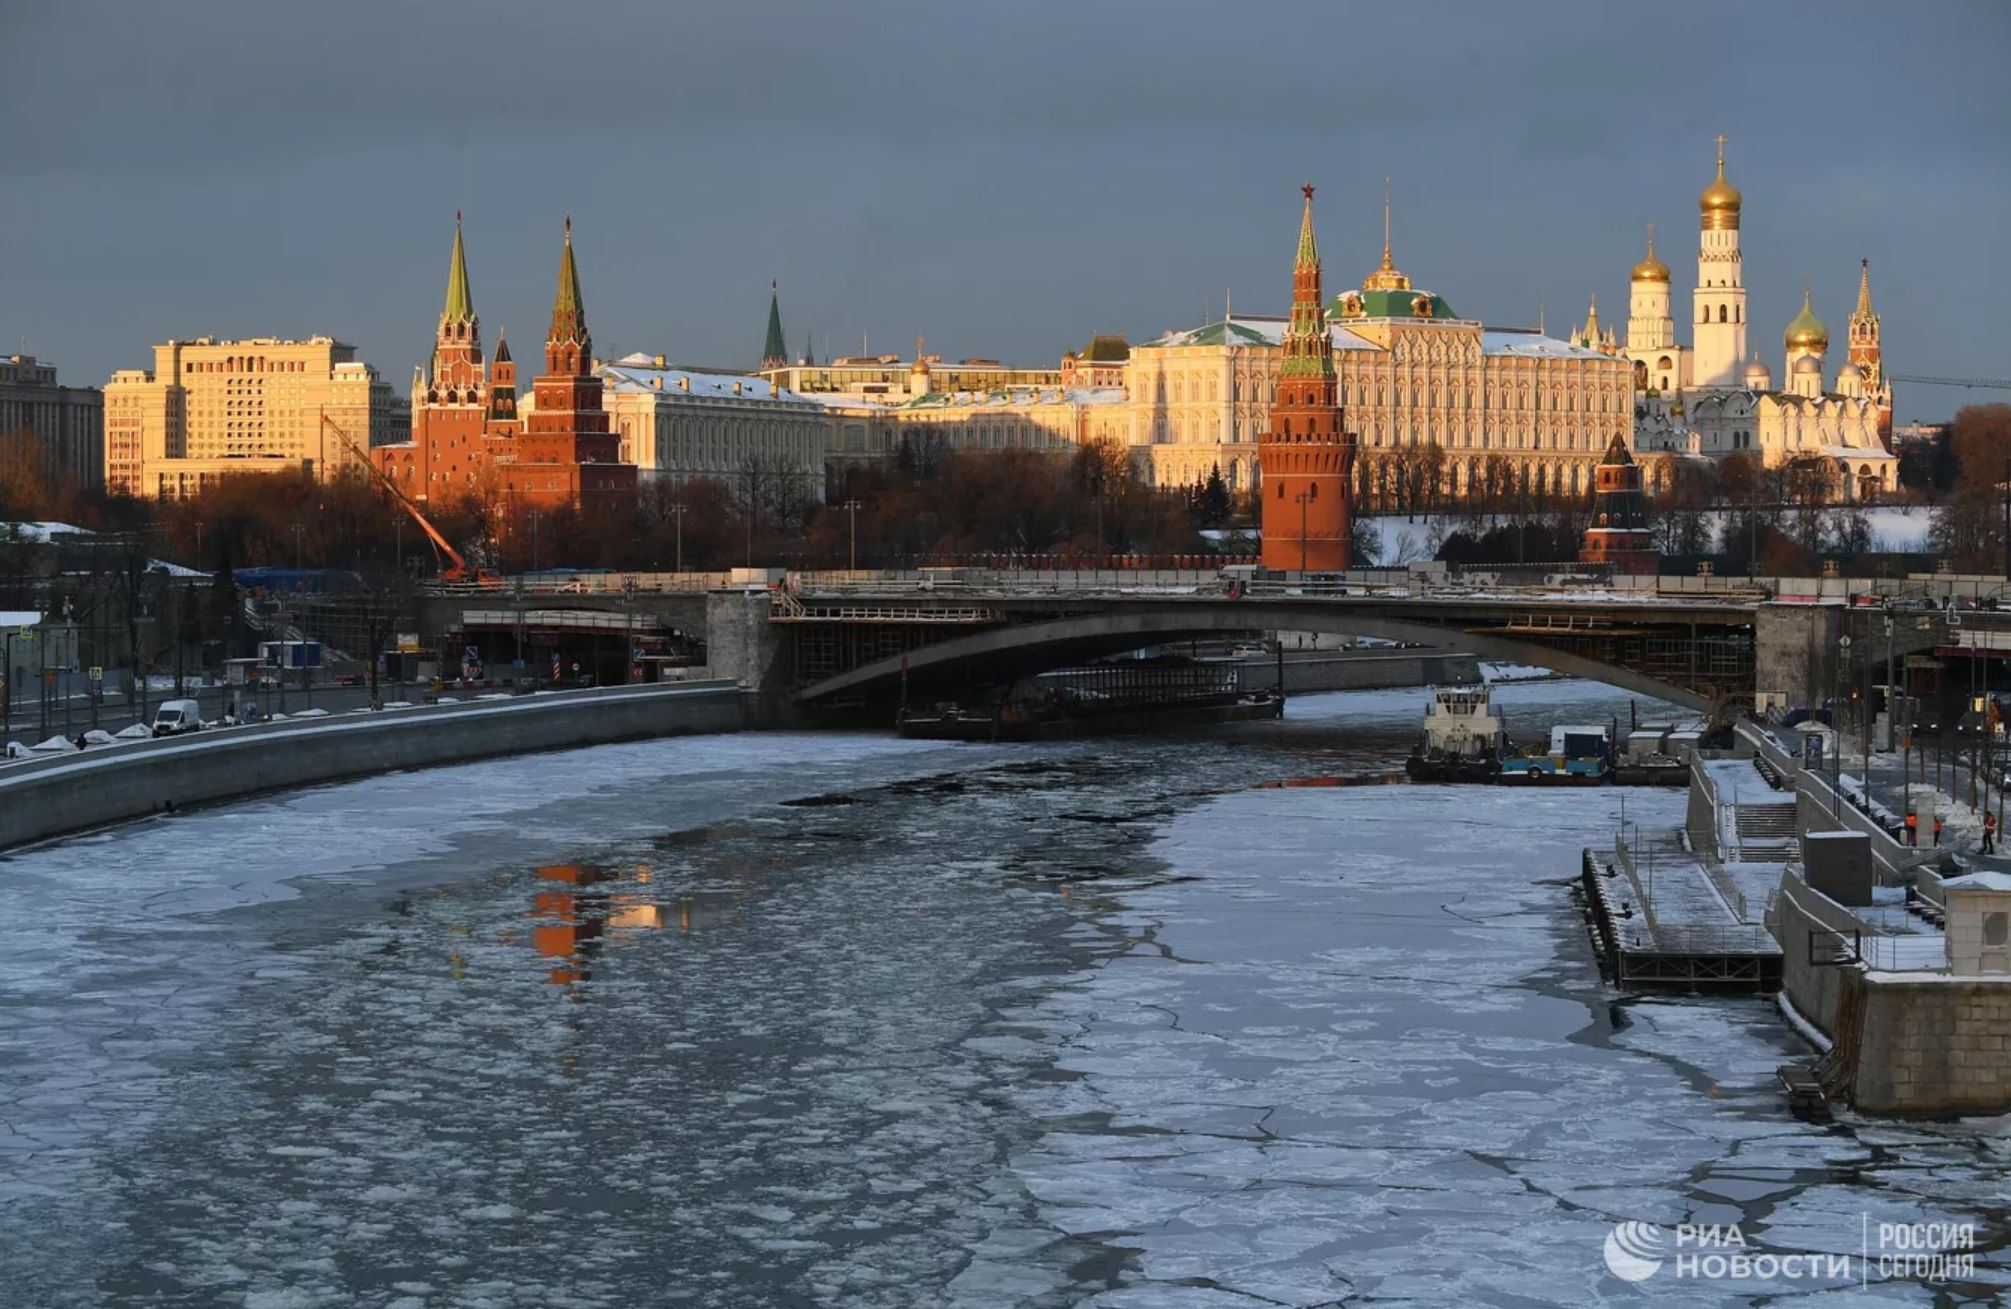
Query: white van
(177,716)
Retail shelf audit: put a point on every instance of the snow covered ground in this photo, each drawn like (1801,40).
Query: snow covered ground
(1901,528)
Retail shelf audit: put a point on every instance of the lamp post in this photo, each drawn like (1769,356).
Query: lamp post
(7,681)
(852,507)
(1302,499)
(1836,727)
(677,515)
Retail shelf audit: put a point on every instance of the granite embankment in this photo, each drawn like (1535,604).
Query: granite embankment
(43,798)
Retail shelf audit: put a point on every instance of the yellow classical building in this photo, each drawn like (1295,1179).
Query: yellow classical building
(211,409)
(1441,403)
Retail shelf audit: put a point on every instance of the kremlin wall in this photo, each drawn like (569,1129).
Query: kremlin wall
(1380,391)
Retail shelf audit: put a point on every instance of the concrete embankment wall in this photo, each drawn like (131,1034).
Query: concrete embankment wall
(46,798)
(1351,670)
(1921,1042)
(1933,1044)
(1807,921)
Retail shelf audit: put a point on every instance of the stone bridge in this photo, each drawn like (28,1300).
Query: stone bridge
(853,645)
(826,642)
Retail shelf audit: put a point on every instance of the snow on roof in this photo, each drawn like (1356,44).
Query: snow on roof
(640,372)
(1988,879)
(19,617)
(1532,345)
(1866,452)
(1017,395)
(1237,330)
(42,531)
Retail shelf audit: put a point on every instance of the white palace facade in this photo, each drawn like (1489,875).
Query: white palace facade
(1427,394)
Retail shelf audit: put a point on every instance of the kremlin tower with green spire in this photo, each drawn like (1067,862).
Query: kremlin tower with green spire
(1304,457)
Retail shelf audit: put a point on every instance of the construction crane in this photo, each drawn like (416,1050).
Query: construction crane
(453,568)
(1986,383)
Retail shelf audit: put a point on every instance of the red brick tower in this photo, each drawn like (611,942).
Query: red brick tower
(566,454)
(1867,352)
(567,424)
(1304,458)
(1618,534)
(449,406)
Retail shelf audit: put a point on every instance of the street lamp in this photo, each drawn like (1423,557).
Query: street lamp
(7,680)
(1302,499)
(852,507)
(676,512)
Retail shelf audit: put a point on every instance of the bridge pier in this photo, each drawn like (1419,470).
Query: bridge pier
(741,643)
(1795,651)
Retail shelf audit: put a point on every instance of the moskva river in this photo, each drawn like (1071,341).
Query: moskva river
(810,1020)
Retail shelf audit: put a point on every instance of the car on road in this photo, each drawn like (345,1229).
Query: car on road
(175,717)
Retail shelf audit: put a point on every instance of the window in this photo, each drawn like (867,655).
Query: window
(1722,315)
(1994,928)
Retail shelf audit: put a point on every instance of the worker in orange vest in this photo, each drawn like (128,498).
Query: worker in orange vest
(1912,828)
(1989,834)
(1937,830)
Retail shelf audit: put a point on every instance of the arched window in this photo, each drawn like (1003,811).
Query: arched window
(1723,315)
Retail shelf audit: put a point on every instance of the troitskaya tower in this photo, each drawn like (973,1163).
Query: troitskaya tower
(1720,300)
(1303,457)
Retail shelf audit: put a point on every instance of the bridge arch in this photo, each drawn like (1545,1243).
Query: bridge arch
(1008,652)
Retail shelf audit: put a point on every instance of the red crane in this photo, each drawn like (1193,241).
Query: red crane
(453,568)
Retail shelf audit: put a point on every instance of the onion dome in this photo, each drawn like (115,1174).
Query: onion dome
(1808,364)
(1759,377)
(1720,202)
(1651,269)
(1806,332)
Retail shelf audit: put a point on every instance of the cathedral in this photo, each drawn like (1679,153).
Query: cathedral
(1715,398)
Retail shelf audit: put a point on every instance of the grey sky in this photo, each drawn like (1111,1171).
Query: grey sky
(1004,178)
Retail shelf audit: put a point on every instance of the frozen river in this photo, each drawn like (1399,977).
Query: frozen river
(840,1020)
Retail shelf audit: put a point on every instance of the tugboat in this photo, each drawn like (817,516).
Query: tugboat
(1462,737)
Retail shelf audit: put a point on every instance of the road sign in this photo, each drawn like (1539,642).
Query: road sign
(97,673)
(1812,750)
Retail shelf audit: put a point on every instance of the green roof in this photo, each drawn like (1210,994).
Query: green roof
(1388,304)
(1225,333)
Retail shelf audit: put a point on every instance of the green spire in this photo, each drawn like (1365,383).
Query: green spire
(460,306)
(1309,350)
(569,314)
(773,353)
(1309,249)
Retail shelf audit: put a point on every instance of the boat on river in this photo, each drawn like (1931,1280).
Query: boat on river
(1462,737)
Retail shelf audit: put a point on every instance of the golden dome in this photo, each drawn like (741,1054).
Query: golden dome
(1719,204)
(1806,332)
(1651,269)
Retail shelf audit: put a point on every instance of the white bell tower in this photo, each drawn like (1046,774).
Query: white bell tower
(1719,312)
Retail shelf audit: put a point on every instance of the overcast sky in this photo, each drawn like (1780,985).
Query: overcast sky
(1003,178)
